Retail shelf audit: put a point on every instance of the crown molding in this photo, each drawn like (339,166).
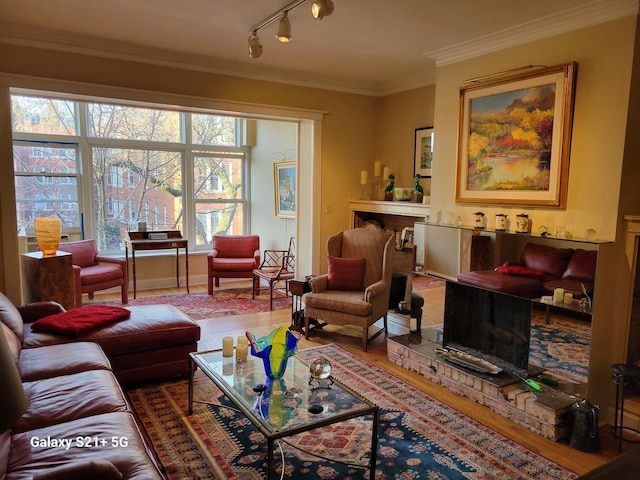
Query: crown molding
(593,13)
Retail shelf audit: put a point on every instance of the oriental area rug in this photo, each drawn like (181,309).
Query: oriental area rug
(561,347)
(223,302)
(418,437)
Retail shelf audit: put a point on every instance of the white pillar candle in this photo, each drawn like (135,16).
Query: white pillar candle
(242,350)
(227,346)
(377,169)
(558,295)
(242,340)
(364,177)
(568,298)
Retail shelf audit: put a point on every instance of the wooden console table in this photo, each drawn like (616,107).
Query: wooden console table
(142,241)
(49,278)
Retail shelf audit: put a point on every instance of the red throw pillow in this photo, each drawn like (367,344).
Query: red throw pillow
(519,270)
(346,273)
(77,321)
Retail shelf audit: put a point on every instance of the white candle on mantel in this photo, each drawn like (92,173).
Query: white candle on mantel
(386,172)
(364,177)
(377,169)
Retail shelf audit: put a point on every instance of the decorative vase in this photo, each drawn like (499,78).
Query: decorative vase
(48,231)
(275,350)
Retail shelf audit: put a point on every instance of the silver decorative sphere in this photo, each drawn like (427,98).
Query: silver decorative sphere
(320,368)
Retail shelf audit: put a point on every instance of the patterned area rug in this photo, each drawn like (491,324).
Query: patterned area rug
(419,437)
(424,282)
(223,302)
(561,347)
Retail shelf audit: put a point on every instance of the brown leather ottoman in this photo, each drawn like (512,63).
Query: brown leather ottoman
(153,343)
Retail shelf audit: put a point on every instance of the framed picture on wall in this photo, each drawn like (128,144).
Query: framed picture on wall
(284,177)
(423,151)
(515,137)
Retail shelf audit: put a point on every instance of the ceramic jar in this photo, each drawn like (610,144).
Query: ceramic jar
(479,220)
(522,223)
(501,222)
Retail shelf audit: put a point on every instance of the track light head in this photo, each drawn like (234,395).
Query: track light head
(284,28)
(321,8)
(255,45)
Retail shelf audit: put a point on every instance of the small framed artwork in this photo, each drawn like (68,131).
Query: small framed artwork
(285,181)
(514,138)
(423,151)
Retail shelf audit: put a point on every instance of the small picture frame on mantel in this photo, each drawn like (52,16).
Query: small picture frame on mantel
(423,152)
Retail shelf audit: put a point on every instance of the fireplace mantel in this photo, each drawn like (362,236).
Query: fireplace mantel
(405,209)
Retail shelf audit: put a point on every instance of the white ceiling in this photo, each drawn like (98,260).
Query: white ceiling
(372,47)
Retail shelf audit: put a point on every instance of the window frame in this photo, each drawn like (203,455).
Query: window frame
(84,145)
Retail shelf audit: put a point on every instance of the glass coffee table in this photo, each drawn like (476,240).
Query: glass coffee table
(284,407)
(575,306)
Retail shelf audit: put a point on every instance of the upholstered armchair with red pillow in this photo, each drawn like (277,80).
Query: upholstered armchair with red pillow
(94,272)
(233,256)
(355,291)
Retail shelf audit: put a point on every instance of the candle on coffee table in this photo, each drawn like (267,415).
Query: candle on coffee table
(558,295)
(568,298)
(227,346)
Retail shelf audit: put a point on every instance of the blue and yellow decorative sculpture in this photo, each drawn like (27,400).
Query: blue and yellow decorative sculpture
(275,350)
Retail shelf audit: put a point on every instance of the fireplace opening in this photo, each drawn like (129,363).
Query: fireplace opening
(491,326)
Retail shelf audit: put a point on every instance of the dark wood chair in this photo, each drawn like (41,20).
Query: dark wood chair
(276,266)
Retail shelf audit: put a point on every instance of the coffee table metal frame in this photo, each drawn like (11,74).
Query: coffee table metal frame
(236,380)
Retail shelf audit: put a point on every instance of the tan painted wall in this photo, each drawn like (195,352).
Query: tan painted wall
(348,130)
(604,54)
(398,116)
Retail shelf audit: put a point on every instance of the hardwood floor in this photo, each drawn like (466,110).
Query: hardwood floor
(262,323)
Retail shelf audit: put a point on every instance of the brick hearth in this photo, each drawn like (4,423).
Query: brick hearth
(547,413)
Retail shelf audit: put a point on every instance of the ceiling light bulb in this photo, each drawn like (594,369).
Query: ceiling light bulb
(255,45)
(284,29)
(321,8)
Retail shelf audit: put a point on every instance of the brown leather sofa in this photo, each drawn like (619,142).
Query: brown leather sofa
(540,270)
(75,422)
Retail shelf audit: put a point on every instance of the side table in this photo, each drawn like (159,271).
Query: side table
(298,287)
(49,278)
(622,376)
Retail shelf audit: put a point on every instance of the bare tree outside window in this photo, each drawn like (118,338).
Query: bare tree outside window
(137,161)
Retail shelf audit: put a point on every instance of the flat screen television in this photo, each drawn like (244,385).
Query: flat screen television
(490,325)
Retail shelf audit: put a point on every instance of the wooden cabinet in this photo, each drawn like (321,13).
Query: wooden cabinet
(49,278)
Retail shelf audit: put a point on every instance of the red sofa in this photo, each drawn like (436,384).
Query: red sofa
(540,270)
(65,392)
(233,256)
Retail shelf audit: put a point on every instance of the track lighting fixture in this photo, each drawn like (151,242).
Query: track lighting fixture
(321,8)
(284,29)
(255,45)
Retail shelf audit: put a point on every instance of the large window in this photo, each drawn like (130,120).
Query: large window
(133,163)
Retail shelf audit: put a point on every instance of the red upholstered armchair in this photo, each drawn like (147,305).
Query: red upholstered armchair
(94,272)
(233,256)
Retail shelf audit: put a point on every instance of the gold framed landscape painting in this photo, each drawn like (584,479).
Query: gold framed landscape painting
(515,137)
(284,177)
